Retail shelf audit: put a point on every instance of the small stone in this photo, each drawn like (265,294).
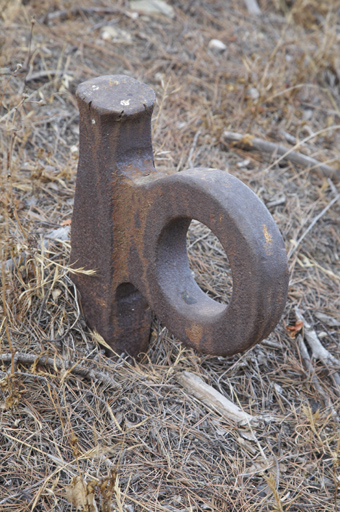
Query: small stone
(278,388)
(160,78)
(116,35)
(55,294)
(307,114)
(216,44)
(244,163)
(133,15)
(253,93)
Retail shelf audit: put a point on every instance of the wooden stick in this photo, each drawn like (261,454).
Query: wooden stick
(195,386)
(59,364)
(328,320)
(76,11)
(286,154)
(319,351)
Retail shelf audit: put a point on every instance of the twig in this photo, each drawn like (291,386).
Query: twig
(276,202)
(253,7)
(59,364)
(195,386)
(45,74)
(190,162)
(318,350)
(314,379)
(66,13)
(283,152)
(27,489)
(328,320)
(56,340)
(312,224)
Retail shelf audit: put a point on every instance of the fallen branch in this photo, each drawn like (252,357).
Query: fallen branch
(195,386)
(286,154)
(63,365)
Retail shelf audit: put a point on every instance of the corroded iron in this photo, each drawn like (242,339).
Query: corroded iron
(130,223)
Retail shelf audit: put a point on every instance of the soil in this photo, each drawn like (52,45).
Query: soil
(83,430)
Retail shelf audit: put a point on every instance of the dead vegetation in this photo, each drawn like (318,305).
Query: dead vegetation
(79,429)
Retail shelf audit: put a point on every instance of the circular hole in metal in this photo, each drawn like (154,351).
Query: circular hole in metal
(209,263)
(180,295)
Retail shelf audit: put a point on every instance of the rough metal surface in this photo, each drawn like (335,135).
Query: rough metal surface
(130,223)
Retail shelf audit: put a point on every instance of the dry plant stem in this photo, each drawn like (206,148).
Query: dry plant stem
(11,348)
(46,74)
(312,224)
(37,484)
(328,320)
(29,50)
(195,386)
(65,13)
(57,234)
(190,162)
(318,351)
(314,379)
(70,366)
(283,152)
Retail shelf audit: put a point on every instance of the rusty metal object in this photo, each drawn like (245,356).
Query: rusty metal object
(130,223)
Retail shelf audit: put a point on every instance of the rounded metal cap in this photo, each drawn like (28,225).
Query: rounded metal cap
(117,95)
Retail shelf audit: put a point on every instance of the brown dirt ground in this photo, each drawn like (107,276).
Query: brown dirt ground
(146,444)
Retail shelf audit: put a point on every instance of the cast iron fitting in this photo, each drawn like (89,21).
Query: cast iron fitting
(130,223)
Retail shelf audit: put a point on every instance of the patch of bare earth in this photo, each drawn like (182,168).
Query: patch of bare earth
(81,430)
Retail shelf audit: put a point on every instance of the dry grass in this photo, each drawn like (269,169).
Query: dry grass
(136,441)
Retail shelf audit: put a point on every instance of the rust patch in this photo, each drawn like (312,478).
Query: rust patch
(195,334)
(269,240)
(267,235)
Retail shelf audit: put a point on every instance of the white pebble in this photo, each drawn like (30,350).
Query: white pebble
(253,93)
(216,44)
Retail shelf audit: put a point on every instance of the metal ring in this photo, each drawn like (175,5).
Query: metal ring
(254,247)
